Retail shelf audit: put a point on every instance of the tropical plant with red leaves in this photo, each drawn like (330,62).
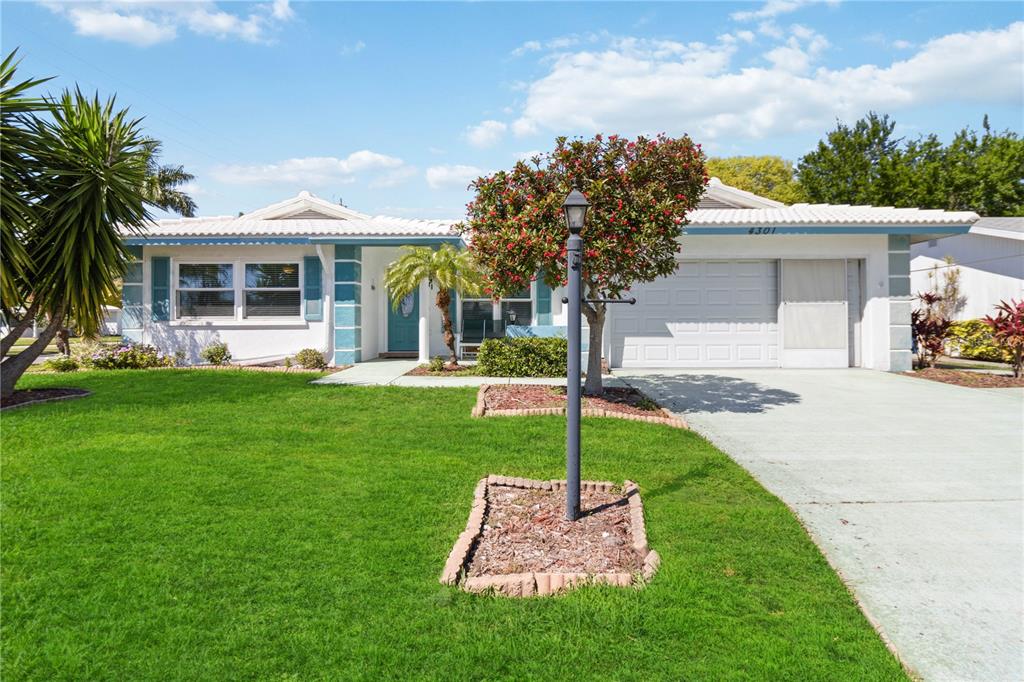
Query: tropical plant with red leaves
(929,328)
(640,192)
(1008,331)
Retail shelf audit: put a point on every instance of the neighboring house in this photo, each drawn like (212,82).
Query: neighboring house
(759,284)
(991,262)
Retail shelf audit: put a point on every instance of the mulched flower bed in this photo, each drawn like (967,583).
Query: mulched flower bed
(535,399)
(525,530)
(448,371)
(969,379)
(31,396)
(517,542)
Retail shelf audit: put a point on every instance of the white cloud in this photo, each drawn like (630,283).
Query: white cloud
(676,87)
(486,133)
(352,48)
(144,23)
(455,176)
(774,8)
(314,171)
(112,25)
(526,156)
(528,46)
(902,44)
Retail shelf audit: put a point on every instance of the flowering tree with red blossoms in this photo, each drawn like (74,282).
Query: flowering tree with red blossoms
(640,192)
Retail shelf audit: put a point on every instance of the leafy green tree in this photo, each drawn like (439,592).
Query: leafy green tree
(866,164)
(856,164)
(767,176)
(449,268)
(639,192)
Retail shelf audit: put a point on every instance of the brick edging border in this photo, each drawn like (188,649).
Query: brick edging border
(543,584)
(40,401)
(666,418)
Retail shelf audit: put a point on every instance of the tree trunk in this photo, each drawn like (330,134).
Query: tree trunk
(18,329)
(595,314)
(444,299)
(13,367)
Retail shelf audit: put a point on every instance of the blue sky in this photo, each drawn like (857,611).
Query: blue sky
(394,107)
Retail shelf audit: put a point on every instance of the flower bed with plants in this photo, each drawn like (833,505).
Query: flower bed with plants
(514,400)
(968,378)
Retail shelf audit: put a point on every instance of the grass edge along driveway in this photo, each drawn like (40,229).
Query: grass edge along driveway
(187,524)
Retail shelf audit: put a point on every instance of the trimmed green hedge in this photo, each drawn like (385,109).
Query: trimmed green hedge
(972,339)
(524,357)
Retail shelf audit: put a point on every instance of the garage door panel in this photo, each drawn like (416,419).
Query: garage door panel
(709,313)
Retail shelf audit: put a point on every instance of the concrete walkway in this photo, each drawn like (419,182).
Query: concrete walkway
(912,488)
(392,373)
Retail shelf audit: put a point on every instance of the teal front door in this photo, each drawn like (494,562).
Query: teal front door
(404,324)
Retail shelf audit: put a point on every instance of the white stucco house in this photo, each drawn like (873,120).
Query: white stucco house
(759,284)
(990,258)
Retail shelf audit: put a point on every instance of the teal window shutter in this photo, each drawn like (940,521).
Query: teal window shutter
(161,288)
(453,308)
(313,288)
(543,301)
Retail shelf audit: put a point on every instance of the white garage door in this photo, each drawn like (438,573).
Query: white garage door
(710,313)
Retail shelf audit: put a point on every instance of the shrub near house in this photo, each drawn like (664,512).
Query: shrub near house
(524,357)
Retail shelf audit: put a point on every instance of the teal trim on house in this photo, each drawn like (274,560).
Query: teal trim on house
(348,315)
(900,332)
(160,276)
(899,242)
(385,241)
(312,288)
(214,241)
(348,333)
(543,302)
(347,271)
(895,230)
(132,306)
(347,293)
(347,357)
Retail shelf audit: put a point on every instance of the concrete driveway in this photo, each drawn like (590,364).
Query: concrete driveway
(912,489)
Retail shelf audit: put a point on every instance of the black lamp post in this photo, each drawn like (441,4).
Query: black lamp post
(575,208)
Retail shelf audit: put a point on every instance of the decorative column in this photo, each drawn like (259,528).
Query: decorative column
(424,329)
(348,317)
(900,303)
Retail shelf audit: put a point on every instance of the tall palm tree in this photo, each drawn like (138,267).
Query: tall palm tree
(449,268)
(91,165)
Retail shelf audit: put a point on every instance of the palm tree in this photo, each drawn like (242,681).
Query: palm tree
(449,268)
(161,188)
(91,165)
(17,189)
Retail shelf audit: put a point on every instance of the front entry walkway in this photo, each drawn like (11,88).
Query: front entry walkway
(912,489)
(391,372)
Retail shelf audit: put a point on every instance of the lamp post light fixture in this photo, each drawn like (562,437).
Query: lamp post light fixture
(575,208)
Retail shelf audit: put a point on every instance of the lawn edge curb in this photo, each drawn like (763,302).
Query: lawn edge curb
(73,396)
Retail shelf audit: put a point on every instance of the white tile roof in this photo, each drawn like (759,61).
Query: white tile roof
(1008,228)
(227,226)
(827,214)
(290,218)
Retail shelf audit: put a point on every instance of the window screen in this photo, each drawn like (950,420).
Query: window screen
(272,290)
(813,281)
(205,290)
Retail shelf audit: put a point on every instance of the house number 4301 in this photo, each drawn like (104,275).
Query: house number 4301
(761,230)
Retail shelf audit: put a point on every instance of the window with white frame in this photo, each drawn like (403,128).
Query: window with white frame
(272,290)
(206,290)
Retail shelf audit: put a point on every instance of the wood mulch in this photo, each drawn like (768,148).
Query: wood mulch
(30,396)
(447,371)
(525,531)
(623,400)
(969,379)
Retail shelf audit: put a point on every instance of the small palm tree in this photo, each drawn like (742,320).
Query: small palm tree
(449,268)
(162,185)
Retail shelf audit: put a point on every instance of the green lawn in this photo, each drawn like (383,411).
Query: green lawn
(231,525)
